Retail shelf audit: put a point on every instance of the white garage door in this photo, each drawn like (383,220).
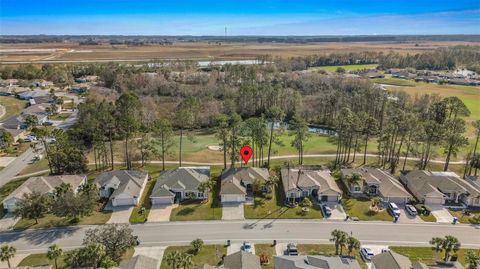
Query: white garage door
(397,200)
(162,201)
(233,198)
(434,200)
(123,201)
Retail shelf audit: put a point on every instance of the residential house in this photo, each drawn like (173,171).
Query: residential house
(438,188)
(6,90)
(122,187)
(372,74)
(36,93)
(180,184)
(390,260)
(44,185)
(375,182)
(315,262)
(14,123)
(39,111)
(237,183)
(41,83)
(140,262)
(16,133)
(299,183)
(242,260)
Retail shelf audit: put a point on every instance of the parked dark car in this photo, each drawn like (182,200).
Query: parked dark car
(292,249)
(327,210)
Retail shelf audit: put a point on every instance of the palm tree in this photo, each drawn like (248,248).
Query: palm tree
(173,258)
(271,183)
(450,243)
(185,260)
(436,243)
(472,259)
(54,252)
(6,253)
(340,238)
(352,244)
(354,179)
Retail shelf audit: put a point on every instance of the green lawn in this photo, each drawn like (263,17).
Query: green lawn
(60,116)
(96,218)
(145,201)
(6,189)
(464,218)
(209,254)
(198,210)
(360,208)
(428,218)
(15,150)
(41,259)
(327,250)
(13,106)
(395,81)
(275,209)
(269,251)
(352,67)
(426,254)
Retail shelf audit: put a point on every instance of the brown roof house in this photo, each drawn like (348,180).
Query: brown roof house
(437,188)
(42,185)
(299,183)
(237,183)
(122,187)
(375,182)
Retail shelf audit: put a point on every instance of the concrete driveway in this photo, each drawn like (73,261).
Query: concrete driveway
(14,261)
(152,252)
(235,247)
(7,222)
(232,211)
(120,214)
(337,211)
(407,218)
(160,213)
(441,214)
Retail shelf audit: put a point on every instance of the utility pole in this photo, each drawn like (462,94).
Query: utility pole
(225,34)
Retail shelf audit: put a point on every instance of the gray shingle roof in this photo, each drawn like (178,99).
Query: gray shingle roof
(231,179)
(315,262)
(183,178)
(391,260)
(46,184)
(128,181)
(389,186)
(298,179)
(140,262)
(242,260)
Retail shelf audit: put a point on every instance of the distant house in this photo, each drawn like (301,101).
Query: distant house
(14,123)
(242,260)
(16,133)
(315,262)
(33,94)
(42,185)
(140,262)
(237,183)
(372,75)
(6,90)
(301,183)
(41,83)
(39,111)
(375,182)
(122,187)
(180,184)
(391,260)
(438,188)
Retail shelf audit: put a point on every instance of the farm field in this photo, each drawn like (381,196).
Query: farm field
(198,50)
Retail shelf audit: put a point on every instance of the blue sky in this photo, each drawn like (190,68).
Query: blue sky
(241,17)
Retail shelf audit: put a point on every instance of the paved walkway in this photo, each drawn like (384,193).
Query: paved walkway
(232,211)
(441,214)
(160,213)
(5,161)
(235,247)
(14,261)
(152,252)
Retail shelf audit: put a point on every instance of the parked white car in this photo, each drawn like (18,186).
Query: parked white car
(366,254)
(394,210)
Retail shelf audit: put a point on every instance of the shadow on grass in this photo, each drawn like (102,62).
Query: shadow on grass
(186,211)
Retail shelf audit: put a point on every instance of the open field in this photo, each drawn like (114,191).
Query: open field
(353,67)
(51,52)
(12,105)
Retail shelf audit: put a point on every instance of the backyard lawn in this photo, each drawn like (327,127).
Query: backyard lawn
(209,254)
(274,209)
(267,250)
(98,217)
(13,106)
(327,250)
(426,254)
(198,210)
(360,208)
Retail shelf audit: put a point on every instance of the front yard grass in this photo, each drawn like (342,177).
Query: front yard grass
(473,218)
(98,217)
(327,250)
(360,208)
(59,116)
(274,209)
(198,210)
(145,202)
(208,254)
(427,255)
(267,250)
(428,218)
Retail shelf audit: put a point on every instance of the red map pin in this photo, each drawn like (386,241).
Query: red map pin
(246,153)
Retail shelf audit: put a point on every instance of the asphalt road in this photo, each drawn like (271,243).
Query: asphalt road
(16,166)
(302,231)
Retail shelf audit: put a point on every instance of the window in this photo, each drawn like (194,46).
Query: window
(356,188)
(305,193)
(200,195)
